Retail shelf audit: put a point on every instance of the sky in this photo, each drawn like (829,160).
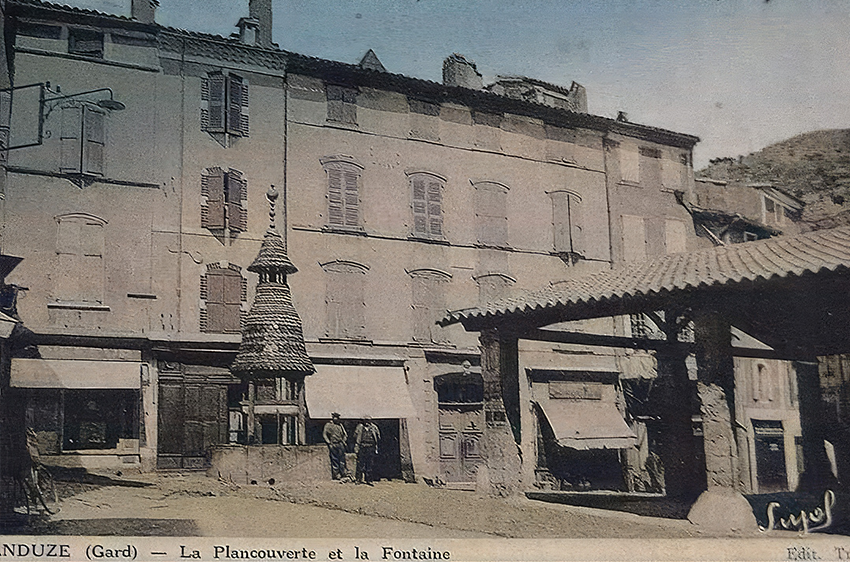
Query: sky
(739,74)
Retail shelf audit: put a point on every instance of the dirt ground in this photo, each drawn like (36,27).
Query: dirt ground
(192,504)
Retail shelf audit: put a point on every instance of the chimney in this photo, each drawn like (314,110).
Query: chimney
(248,31)
(143,10)
(261,10)
(460,71)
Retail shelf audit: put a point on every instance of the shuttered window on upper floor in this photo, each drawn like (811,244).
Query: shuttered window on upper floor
(567,223)
(491,208)
(83,139)
(223,289)
(224,104)
(342,104)
(343,193)
(224,194)
(426,191)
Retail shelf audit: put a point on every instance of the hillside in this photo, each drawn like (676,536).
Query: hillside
(814,167)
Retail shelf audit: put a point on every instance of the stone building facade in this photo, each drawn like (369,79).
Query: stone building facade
(401,198)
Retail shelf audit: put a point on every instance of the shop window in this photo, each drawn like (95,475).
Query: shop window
(99,419)
(82,139)
(427,203)
(85,43)
(79,276)
(491,214)
(343,192)
(223,290)
(342,104)
(224,195)
(344,300)
(429,288)
(566,223)
(224,106)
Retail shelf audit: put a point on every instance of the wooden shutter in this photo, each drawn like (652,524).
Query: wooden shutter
(212,184)
(420,206)
(95,139)
(335,201)
(435,211)
(205,103)
(244,121)
(216,103)
(491,212)
(237,220)
(352,199)
(232,298)
(71,158)
(561,221)
(234,105)
(576,225)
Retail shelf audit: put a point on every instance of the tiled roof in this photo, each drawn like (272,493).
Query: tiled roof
(272,256)
(813,252)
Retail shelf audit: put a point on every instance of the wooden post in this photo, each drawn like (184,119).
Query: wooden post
(817,474)
(301,437)
(250,430)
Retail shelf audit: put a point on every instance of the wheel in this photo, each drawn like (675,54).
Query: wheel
(47,495)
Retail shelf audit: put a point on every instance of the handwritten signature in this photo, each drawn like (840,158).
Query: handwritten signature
(807,522)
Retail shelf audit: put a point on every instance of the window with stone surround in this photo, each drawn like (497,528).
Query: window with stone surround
(223,195)
(342,104)
(426,196)
(224,106)
(223,290)
(83,139)
(567,223)
(491,213)
(493,286)
(429,287)
(343,193)
(345,303)
(79,276)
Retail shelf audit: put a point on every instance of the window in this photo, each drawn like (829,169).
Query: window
(224,106)
(493,286)
(85,43)
(629,164)
(225,193)
(223,290)
(343,191)
(650,167)
(428,304)
(675,236)
(634,238)
(427,203)
(79,276)
(344,300)
(566,223)
(342,104)
(491,213)
(99,419)
(82,139)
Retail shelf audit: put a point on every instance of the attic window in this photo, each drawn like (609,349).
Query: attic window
(85,43)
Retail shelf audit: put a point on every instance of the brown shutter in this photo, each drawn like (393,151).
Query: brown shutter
(435,212)
(420,207)
(232,297)
(216,308)
(205,103)
(234,105)
(244,122)
(95,139)
(352,199)
(576,218)
(216,102)
(237,220)
(71,160)
(213,185)
(335,203)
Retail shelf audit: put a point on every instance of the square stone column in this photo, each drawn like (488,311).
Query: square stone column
(501,472)
(817,475)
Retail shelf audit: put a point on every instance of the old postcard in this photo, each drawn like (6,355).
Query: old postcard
(424,280)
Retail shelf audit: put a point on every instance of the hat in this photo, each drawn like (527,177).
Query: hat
(335,415)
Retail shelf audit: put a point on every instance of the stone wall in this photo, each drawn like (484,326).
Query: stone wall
(267,464)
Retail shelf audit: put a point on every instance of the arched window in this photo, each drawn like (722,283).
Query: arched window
(426,196)
(429,287)
(345,303)
(79,276)
(343,192)
(493,286)
(491,213)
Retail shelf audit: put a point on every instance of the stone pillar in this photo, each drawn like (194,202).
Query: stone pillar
(302,413)
(817,475)
(501,453)
(250,429)
(722,507)
(684,463)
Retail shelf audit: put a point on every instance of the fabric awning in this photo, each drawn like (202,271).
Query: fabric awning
(357,391)
(588,424)
(66,373)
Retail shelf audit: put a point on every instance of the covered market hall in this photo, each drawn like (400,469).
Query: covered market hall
(789,293)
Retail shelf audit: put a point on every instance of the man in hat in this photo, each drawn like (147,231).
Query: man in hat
(335,436)
(366,446)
